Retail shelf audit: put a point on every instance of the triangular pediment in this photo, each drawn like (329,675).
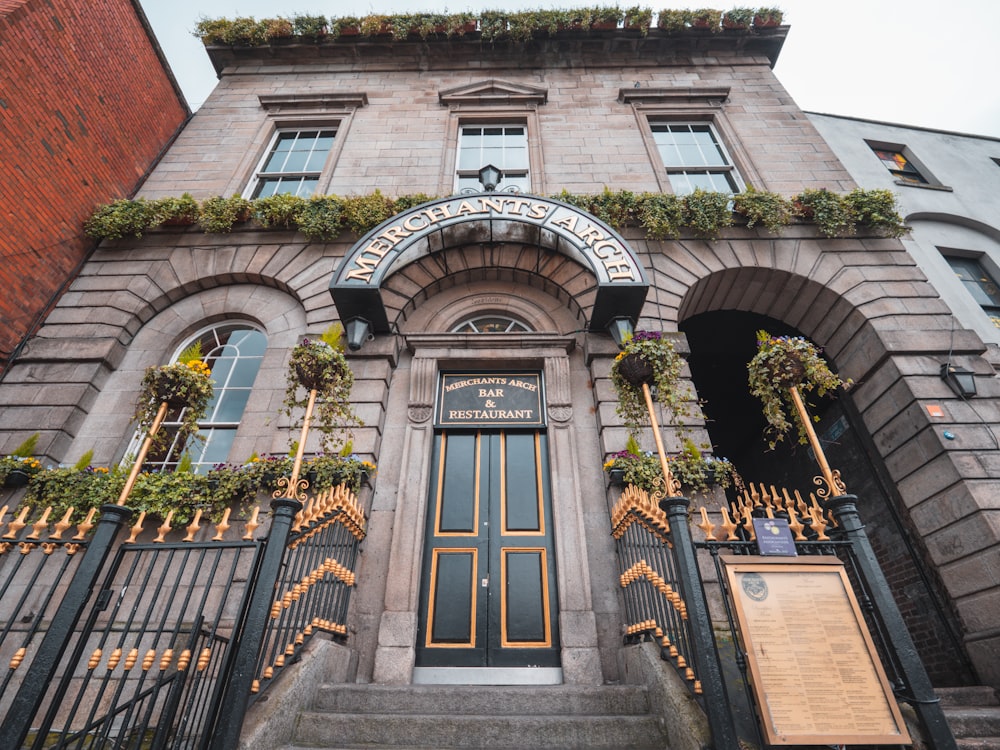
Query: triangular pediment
(493,91)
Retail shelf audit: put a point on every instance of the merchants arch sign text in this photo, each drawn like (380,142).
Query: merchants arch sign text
(490,217)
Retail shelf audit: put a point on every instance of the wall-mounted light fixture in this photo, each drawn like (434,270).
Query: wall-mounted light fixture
(358,332)
(960,380)
(621,330)
(490,177)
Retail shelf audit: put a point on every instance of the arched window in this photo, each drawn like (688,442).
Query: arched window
(490,324)
(233,352)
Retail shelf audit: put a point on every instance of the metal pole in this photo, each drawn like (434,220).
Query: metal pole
(292,490)
(141,457)
(37,682)
(672,487)
(238,676)
(924,701)
(833,481)
(708,669)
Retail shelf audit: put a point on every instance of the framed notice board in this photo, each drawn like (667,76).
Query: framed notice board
(816,675)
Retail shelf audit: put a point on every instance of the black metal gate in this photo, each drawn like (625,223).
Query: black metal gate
(164,644)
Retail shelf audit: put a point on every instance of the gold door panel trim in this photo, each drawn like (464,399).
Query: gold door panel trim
(439,495)
(545,604)
(539,498)
(432,594)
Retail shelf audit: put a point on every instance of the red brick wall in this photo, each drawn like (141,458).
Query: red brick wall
(85,107)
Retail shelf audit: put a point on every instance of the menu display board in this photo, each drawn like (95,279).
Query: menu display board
(816,675)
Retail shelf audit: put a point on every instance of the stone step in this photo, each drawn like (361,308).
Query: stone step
(978,743)
(564,700)
(978,721)
(975,695)
(326,730)
(469,716)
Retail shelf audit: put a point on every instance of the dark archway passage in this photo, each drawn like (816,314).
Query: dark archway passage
(722,343)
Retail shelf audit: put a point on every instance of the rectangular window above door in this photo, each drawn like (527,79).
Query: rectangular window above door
(505,146)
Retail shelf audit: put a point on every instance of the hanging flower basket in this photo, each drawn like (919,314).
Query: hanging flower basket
(317,365)
(783,363)
(635,370)
(649,358)
(186,386)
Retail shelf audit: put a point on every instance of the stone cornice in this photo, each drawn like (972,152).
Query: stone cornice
(564,49)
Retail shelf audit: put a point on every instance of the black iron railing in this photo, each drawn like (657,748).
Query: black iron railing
(159,643)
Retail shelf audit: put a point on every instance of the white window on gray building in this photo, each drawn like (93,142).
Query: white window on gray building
(490,324)
(695,157)
(293,163)
(233,352)
(503,146)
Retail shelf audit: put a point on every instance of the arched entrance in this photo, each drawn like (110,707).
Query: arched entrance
(488,518)
(722,343)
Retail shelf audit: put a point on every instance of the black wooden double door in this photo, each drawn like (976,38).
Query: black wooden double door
(488,594)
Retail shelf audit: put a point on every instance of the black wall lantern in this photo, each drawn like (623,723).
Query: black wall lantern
(960,380)
(621,330)
(358,332)
(490,177)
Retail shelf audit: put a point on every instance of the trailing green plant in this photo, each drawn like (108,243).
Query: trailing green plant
(695,470)
(185,385)
(376,24)
(639,18)
(117,219)
(661,215)
(361,213)
(706,212)
(246,31)
(280,210)
(21,460)
(768,16)
(664,373)
(310,26)
(183,210)
(606,15)
(674,20)
(738,18)
(219,215)
(319,218)
(780,364)
(320,365)
(707,18)
(212,30)
(344,23)
(278,28)
(699,471)
(615,208)
(771,210)
(66,487)
(829,211)
(876,209)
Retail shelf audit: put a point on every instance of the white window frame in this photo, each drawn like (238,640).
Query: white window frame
(259,175)
(729,169)
(504,186)
(198,449)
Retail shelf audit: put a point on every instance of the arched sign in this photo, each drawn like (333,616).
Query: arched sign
(490,217)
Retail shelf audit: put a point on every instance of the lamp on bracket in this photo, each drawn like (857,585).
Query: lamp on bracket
(960,380)
(490,176)
(358,331)
(621,330)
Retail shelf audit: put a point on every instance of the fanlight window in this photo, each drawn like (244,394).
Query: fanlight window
(490,324)
(233,352)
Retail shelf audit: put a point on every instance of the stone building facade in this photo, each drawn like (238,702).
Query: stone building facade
(79,127)
(574,112)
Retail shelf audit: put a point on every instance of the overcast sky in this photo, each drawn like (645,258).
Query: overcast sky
(929,63)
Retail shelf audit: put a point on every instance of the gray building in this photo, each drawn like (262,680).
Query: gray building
(508,284)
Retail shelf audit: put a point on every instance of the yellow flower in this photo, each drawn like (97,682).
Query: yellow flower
(199,367)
